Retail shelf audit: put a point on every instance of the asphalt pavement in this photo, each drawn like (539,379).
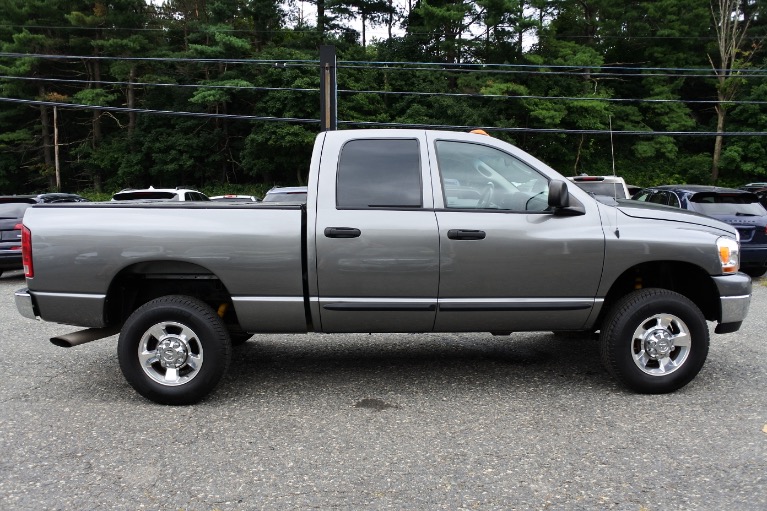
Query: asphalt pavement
(456,421)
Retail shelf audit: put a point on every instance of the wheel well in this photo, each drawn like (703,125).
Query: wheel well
(686,279)
(137,284)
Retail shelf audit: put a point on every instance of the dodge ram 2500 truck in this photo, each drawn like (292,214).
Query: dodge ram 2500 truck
(402,231)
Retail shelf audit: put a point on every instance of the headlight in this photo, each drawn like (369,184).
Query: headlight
(729,254)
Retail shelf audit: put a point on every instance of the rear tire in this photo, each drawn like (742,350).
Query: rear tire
(654,341)
(174,350)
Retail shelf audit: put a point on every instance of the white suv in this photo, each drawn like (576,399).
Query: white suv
(160,194)
(611,186)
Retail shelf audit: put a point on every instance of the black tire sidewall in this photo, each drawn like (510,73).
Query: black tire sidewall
(211,333)
(632,311)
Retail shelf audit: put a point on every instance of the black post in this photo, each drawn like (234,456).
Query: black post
(328,88)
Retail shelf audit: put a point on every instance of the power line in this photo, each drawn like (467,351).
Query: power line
(371,124)
(383,93)
(376,124)
(154,84)
(558,98)
(534,69)
(739,73)
(75,106)
(451,66)
(270,62)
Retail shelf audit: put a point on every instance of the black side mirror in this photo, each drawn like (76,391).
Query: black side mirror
(559,197)
(560,202)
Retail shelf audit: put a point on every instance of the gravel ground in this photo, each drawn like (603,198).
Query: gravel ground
(460,421)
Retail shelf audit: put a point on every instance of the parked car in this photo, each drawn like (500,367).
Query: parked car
(761,194)
(12,208)
(752,187)
(159,194)
(287,194)
(235,198)
(611,186)
(739,208)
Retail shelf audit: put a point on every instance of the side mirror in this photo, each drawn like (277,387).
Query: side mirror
(560,202)
(559,197)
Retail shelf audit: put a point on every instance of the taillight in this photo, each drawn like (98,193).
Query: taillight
(26,251)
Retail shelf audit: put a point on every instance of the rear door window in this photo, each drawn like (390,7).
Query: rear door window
(379,173)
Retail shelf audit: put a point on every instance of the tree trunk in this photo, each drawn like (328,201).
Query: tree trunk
(56,147)
(96,125)
(721,112)
(321,17)
(46,134)
(131,99)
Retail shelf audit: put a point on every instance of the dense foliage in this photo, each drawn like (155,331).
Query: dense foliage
(185,90)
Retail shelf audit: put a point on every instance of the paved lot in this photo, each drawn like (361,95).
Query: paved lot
(466,421)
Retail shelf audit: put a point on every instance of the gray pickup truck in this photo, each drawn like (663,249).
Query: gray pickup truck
(402,231)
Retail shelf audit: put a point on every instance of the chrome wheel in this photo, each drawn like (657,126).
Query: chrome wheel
(654,340)
(174,349)
(661,345)
(170,353)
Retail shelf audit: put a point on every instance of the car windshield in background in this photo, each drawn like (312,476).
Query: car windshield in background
(297,197)
(602,188)
(713,204)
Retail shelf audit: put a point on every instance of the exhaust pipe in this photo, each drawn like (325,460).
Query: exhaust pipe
(83,336)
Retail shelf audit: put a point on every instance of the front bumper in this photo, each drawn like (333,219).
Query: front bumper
(734,300)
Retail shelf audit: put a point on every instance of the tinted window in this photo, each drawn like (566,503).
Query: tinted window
(379,173)
(475,176)
(727,204)
(144,196)
(602,188)
(642,196)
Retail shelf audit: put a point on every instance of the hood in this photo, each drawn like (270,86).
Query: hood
(639,209)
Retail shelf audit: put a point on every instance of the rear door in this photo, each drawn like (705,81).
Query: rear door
(377,248)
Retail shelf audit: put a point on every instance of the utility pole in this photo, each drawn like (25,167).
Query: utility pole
(328,88)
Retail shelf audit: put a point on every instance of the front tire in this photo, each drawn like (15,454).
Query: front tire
(654,341)
(174,350)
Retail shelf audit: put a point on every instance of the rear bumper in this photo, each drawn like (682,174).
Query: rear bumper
(25,304)
(10,260)
(734,300)
(753,255)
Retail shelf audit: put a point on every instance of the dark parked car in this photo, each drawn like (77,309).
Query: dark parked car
(753,187)
(739,208)
(12,208)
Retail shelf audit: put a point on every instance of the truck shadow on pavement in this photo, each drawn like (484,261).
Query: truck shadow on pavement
(403,363)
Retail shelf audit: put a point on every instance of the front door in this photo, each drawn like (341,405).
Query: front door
(506,261)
